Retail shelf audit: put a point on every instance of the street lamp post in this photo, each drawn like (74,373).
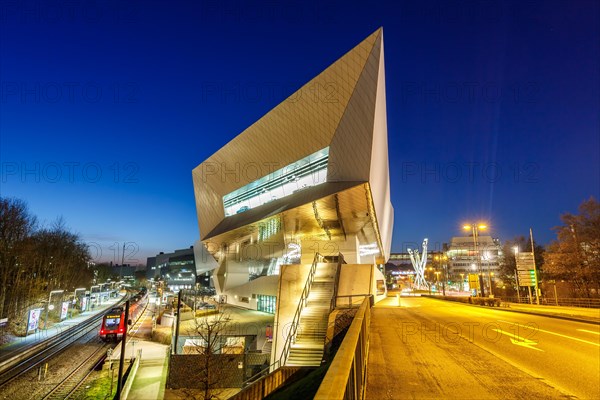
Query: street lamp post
(437,273)
(475,229)
(48,306)
(443,260)
(92,294)
(490,274)
(429,279)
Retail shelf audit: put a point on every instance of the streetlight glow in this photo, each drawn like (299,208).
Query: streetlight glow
(475,231)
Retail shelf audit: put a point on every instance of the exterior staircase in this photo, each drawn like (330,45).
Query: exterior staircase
(307,349)
(267,346)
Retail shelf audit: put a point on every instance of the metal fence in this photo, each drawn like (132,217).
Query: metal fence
(560,301)
(346,377)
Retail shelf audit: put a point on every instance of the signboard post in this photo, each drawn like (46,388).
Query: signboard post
(474,283)
(527,271)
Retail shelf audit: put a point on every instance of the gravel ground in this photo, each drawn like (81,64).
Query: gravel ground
(30,386)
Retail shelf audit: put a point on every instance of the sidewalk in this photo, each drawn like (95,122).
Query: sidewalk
(571,313)
(151,377)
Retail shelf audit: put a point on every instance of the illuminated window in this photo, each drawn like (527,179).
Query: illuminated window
(266,303)
(302,174)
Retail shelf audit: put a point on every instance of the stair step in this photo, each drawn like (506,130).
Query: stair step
(311,334)
(311,339)
(307,346)
(305,361)
(311,342)
(305,357)
(310,357)
(295,352)
(307,349)
(316,339)
(311,329)
(301,364)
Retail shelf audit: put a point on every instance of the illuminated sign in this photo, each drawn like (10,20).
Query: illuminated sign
(64,310)
(34,319)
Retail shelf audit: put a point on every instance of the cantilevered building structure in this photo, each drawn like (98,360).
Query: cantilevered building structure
(301,199)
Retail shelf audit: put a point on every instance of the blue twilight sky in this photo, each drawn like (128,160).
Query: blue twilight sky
(106,107)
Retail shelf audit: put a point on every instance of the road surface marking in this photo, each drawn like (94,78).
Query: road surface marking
(571,337)
(519,341)
(557,334)
(585,330)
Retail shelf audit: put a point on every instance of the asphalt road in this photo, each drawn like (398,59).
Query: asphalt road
(433,349)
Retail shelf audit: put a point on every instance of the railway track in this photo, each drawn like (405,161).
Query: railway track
(70,383)
(65,387)
(51,348)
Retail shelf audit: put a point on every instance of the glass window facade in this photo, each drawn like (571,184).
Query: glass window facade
(307,172)
(266,303)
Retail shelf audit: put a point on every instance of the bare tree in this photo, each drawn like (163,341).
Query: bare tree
(16,224)
(35,260)
(575,255)
(211,346)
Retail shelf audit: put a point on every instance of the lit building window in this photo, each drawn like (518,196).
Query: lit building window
(266,303)
(307,172)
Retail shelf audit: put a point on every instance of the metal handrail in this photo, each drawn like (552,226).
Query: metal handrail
(260,374)
(583,302)
(301,305)
(350,298)
(346,376)
(336,281)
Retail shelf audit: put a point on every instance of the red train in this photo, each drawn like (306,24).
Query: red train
(114,324)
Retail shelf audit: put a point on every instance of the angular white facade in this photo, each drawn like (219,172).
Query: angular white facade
(312,175)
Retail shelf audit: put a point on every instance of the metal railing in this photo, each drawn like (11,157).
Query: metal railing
(263,372)
(564,301)
(301,304)
(336,281)
(347,374)
(265,383)
(350,303)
